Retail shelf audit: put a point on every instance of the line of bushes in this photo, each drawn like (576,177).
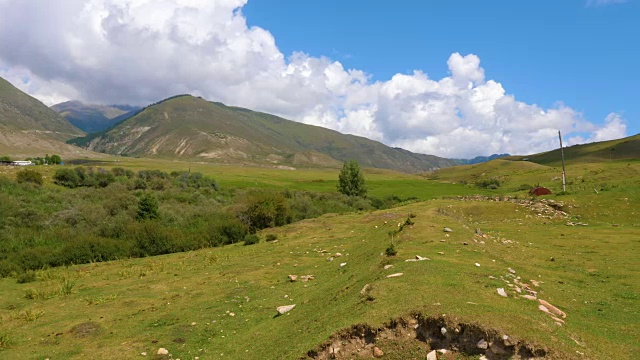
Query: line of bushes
(84,221)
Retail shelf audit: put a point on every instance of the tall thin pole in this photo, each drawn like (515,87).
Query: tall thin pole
(564,178)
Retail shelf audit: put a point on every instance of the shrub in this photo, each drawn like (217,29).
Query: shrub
(147,207)
(67,177)
(151,238)
(488,183)
(29,176)
(251,239)
(26,277)
(524,187)
(225,229)
(271,237)
(55,160)
(261,210)
(391,250)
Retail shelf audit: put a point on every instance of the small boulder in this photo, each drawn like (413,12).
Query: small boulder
(306,278)
(285,308)
(293,278)
(482,344)
(388,266)
(365,290)
(377,352)
(432,355)
(163,351)
(343,265)
(395,275)
(502,293)
(552,309)
(447,230)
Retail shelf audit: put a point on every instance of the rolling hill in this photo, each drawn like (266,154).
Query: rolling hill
(189,127)
(28,127)
(93,118)
(620,149)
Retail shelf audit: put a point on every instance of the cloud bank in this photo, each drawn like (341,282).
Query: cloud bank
(140,51)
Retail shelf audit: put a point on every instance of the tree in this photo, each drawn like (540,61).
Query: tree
(351,180)
(148,207)
(55,160)
(29,176)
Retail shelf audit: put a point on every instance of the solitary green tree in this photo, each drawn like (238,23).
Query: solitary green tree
(55,160)
(351,180)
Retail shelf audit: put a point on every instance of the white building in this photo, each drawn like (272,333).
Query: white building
(21,163)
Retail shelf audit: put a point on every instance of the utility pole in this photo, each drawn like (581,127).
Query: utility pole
(564,178)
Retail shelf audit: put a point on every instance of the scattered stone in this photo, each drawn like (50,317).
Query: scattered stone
(377,352)
(465,243)
(343,264)
(432,355)
(143,353)
(512,271)
(447,230)
(232,314)
(557,319)
(552,259)
(507,341)
(529,297)
(502,293)
(482,344)
(395,275)
(443,240)
(534,283)
(163,351)
(285,308)
(442,351)
(443,331)
(193,323)
(338,255)
(307,278)
(365,290)
(293,278)
(544,309)
(553,309)
(388,267)
(478,265)
(441,252)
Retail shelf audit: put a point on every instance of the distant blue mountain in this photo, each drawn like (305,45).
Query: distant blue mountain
(480,159)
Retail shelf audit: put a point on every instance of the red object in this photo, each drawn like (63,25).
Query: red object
(538,191)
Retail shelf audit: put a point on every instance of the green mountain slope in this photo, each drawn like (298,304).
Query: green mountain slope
(619,149)
(21,113)
(93,118)
(190,127)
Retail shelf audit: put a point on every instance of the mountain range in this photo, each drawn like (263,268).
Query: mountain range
(185,126)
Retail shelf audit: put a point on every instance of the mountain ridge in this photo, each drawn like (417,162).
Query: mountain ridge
(185,126)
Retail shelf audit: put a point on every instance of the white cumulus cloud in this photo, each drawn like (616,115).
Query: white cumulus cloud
(140,51)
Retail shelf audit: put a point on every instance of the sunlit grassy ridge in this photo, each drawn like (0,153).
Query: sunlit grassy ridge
(132,306)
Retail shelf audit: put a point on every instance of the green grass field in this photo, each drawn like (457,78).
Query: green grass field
(220,303)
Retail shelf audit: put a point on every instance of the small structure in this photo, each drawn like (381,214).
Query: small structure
(539,191)
(21,163)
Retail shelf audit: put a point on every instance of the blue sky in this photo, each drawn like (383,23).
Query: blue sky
(450,78)
(586,55)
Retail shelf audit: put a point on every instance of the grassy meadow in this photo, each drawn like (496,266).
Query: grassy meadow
(220,303)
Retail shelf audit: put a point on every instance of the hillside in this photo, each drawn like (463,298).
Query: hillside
(619,149)
(28,127)
(189,127)
(93,118)
(23,114)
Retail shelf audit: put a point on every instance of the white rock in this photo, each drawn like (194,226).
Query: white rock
(420,258)
(293,278)
(395,275)
(501,292)
(512,271)
(388,267)
(447,230)
(478,265)
(143,353)
(443,331)
(443,351)
(338,255)
(528,297)
(343,264)
(432,355)
(482,344)
(285,308)
(163,351)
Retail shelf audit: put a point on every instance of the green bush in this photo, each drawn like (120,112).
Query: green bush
(251,239)
(225,229)
(147,207)
(488,183)
(26,277)
(261,209)
(271,237)
(29,176)
(152,238)
(391,250)
(67,177)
